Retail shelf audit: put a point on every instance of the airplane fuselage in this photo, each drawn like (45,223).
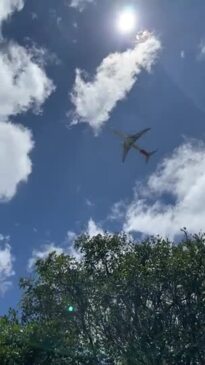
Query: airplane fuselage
(129,141)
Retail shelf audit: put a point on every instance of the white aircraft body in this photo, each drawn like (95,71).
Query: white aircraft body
(129,142)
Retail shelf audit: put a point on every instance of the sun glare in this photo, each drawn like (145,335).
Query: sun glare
(126,22)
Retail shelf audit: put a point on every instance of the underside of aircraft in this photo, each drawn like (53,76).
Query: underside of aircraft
(129,141)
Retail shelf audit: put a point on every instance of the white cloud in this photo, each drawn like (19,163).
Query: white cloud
(43,253)
(68,248)
(93,229)
(70,241)
(41,55)
(24,83)
(201,55)
(80,4)
(117,211)
(182,54)
(15,165)
(7,7)
(173,196)
(89,203)
(71,237)
(34,16)
(94,100)
(6,264)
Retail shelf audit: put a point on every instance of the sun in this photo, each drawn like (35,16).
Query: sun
(126,22)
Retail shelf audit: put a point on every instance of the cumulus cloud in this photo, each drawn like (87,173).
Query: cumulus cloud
(6,264)
(93,229)
(71,237)
(80,4)
(15,165)
(70,249)
(7,7)
(24,83)
(173,196)
(117,211)
(43,253)
(67,247)
(94,100)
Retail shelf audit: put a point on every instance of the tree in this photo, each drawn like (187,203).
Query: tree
(132,303)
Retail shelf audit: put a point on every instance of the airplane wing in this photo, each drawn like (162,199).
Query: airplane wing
(119,133)
(134,145)
(125,152)
(141,133)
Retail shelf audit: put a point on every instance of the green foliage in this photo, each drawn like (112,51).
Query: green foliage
(132,303)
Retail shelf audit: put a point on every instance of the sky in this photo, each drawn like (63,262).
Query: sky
(69,74)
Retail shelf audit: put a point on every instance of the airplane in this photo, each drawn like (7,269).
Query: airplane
(129,142)
(146,154)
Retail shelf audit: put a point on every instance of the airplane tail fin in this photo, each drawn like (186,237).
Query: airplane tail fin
(149,154)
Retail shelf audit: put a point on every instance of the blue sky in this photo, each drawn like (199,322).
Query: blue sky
(67,75)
